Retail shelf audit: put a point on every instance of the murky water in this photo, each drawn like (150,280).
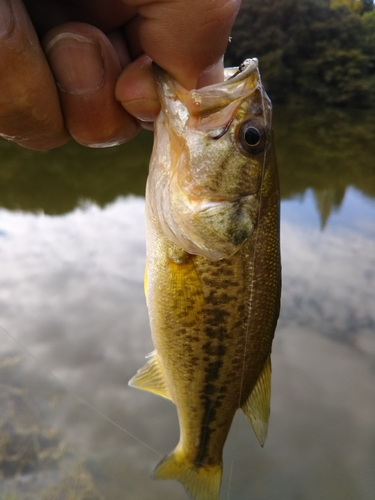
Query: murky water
(74,325)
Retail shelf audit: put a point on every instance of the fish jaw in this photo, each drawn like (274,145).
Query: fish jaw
(203,185)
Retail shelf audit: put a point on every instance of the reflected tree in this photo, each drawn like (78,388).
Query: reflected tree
(57,181)
(325,150)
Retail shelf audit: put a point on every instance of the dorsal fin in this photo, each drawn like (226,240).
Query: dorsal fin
(151,377)
(257,406)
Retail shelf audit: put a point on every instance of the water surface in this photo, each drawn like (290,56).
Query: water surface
(74,325)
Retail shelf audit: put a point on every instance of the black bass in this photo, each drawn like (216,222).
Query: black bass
(213,267)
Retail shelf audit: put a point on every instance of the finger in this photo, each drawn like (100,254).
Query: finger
(86,67)
(107,16)
(136,91)
(118,42)
(187,38)
(29,106)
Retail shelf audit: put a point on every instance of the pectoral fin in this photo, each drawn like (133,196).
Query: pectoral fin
(151,378)
(257,406)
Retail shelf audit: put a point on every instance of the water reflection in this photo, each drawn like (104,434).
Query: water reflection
(323,150)
(57,181)
(71,294)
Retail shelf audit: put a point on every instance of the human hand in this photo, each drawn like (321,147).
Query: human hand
(82,68)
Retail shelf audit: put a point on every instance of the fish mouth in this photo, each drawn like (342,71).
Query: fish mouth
(243,71)
(231,75)
(239,83)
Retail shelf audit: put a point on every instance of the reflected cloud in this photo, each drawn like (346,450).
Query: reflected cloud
(71,291)
(329,278)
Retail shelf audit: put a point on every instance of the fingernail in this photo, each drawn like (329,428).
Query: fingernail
(211,75)
(76,62)
(6,18)
(147,125)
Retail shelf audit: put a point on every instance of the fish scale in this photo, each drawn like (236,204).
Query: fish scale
(213,268)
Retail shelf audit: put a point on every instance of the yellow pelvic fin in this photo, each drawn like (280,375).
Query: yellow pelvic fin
(201,482)
(257,406)
(151,378)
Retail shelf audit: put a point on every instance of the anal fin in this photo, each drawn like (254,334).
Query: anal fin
(257,406)
(151,378)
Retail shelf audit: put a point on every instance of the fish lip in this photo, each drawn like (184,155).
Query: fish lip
(237,74)
(239,83)
(231,75)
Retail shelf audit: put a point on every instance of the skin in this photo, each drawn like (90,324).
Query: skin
(82,68)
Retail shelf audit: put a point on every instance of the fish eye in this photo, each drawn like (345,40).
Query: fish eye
(252,137)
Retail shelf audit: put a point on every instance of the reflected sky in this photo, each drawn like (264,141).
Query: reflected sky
(329,275)
(355,212)
(71,292)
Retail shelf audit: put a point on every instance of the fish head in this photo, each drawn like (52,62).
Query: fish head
(208,169)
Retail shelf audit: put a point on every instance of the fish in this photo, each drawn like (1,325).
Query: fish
(213,272)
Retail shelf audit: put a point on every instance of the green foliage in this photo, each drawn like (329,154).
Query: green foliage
(358,6)
(336,77)
(306,48)
(368,41)
(353,5)
(368,5)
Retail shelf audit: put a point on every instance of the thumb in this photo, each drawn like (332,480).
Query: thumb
(187,38)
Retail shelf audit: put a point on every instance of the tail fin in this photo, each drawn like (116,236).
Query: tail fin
(201,482)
